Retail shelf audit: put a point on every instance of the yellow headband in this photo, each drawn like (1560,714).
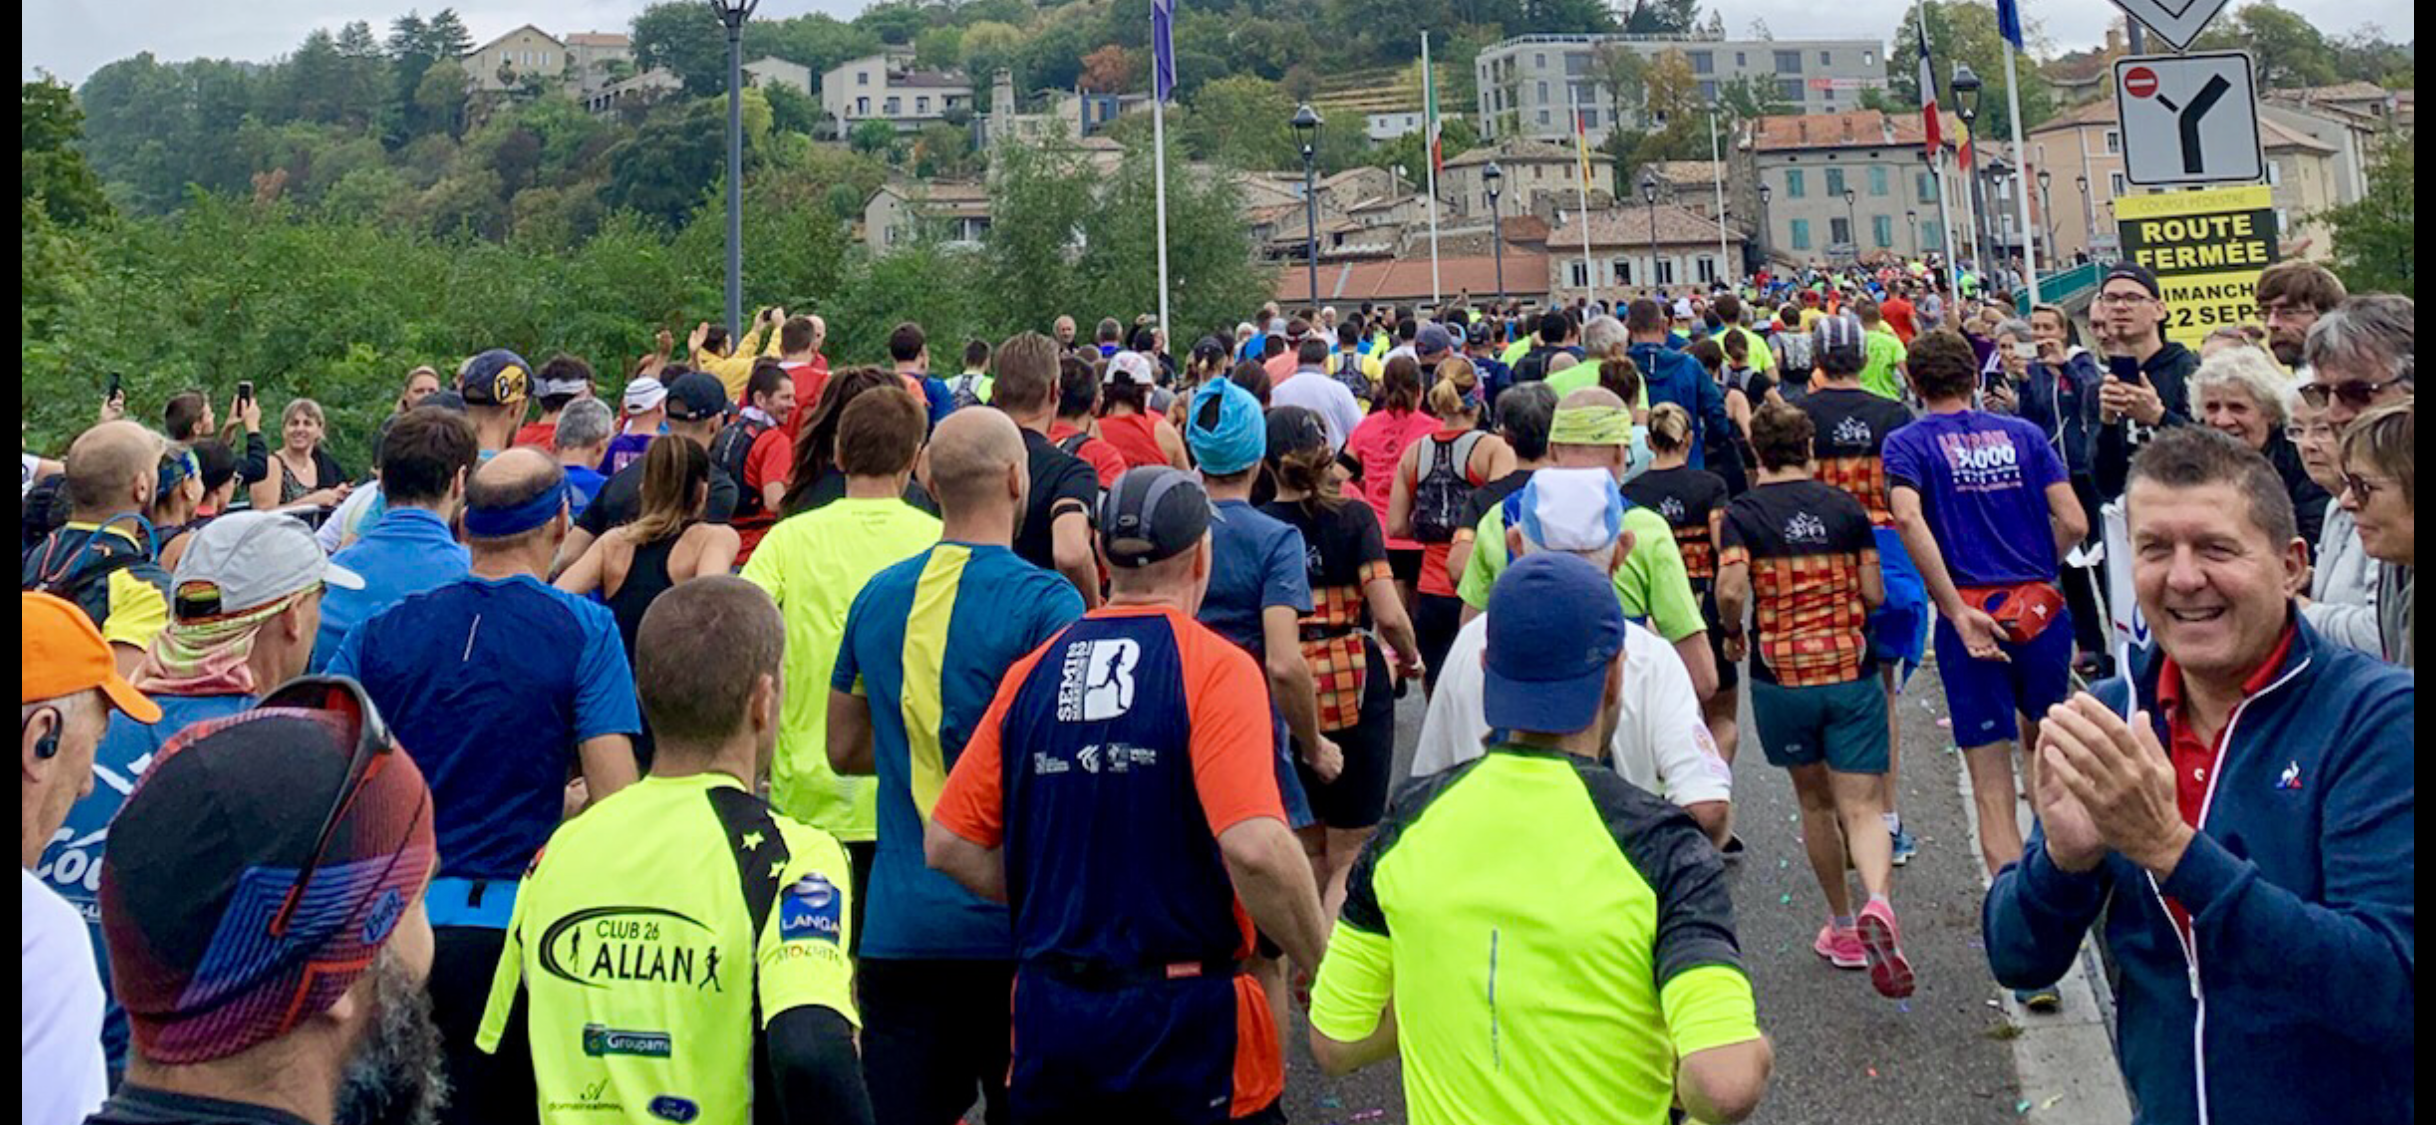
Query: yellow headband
(1591,425)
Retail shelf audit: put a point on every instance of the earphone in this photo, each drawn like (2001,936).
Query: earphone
(47,746)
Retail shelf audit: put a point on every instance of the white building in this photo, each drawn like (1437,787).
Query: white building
(1384,127)
(504,63)
(886,88)
(590,55)
(1529,85)
(771,70)
(900,213)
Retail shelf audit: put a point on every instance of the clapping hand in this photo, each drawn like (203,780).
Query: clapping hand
(2112,787)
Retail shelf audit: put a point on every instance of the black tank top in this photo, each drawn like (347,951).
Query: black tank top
(646,579)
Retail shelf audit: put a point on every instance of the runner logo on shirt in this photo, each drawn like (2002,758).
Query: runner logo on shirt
(1672,509)
(1805,528)
(1982,461)
(1852,431)
(810,910)
(643,944)
(1097,680)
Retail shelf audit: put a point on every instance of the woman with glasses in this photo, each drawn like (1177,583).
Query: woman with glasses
(2377,478)
(2238,392)
(2341,603)
(2360,356)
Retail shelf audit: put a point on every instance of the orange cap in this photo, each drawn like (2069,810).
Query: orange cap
(64,654)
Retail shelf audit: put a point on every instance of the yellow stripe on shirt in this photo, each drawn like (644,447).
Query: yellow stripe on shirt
(934,606)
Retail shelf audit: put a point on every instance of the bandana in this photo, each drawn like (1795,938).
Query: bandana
(210,656)
(1591,425)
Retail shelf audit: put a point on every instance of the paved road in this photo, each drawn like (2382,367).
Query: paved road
(1843,1054)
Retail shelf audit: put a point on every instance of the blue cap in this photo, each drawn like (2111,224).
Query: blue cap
(1236,439)
(497,377)
(1554,626)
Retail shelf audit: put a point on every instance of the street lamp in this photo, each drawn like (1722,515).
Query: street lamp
(2046,207)
(1966,106)
(1766,235)
(1999,173)
(1490,178)
(733,13)
(1649,195)
(1912,219)
(2089,218)
(1852,223)
(1306,125)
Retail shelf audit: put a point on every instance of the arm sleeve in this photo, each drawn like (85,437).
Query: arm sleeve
(800,959)
(2352,626)
(1668,716)
(772,456)
(1355,980)
(2035,915)
(847,674)
(507,978)
(348,660)
(604,692)
(139,606)
(1058,604)
(815,1070)
(1705,994)
(1901,457)
(256,463)
(595,516)
(1233,740)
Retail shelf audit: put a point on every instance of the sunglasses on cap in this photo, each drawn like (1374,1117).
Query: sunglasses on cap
(344,697)
(2359,394)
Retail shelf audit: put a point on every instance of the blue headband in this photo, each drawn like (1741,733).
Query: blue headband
(499,523)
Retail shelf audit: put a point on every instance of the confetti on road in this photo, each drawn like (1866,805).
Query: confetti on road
(1370,1115)
(2050,1102)
(1331,1102)
(1944,723)
(2021,1107)
(1903,1006)
(1784,900)
(1873,1072)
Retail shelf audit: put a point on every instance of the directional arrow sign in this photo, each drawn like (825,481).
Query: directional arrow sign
(2189,119)
(2176,21)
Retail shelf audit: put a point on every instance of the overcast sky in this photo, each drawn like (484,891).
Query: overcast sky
(70,38)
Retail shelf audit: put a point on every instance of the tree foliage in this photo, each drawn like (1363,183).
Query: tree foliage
(1965,32)
(2375,239)
(56,179)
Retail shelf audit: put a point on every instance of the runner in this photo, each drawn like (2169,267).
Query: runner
(1693,502)
(102,558)
(425,461)
(635,563)
(1523,418)
(1797,558)
(925,646)
(1351,588)
(1078,404)
(1561,947)
(1394,423)
(1139,434)
(1433,480)
(813,565)
(1139,733)
(676,940)
(1055,532)
(756,454)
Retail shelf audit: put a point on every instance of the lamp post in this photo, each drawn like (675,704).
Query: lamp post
(1649,196)
(1306,125)
(2089,218)
(1966,107)
(1912,219)
(1852,223)
(2046,207)
(2001,231)
(1490,178)
(1767,237)
(733,13)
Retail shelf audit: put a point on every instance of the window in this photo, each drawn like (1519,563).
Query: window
(2114,143)
(1704,270)
(1801,234)
(1581,94)
(1704,62)
(1708,89)
(922,105)
(1793,184)
(862,78)
(1543,117)
(1839,232)
(1789,90)
(1925,186)
(1835,183)
(893,106)
(1666,271)
(1581,274)
(1869,60)
(1882,230)
(1788,62)
(2275,173)
(1577,64)
(2114,185)
(862,107)
(1933,237)
(1543,93)
(1623,270)
(2283,224)
(1823,60)
(1741,60)
(1877,179)
(1539,62)
(1590,120)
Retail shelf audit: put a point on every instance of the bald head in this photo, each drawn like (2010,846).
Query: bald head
(512,480)
(969,457)
(1590,396)
(112,469)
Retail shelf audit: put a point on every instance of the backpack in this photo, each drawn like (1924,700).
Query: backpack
(1072,444)
(964,390)
(1797,352)
(729,451)
(1445,488)
(77,580)
(1349,372)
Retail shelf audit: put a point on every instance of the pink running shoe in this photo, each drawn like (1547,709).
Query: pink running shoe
(1880,941)
(1841,948)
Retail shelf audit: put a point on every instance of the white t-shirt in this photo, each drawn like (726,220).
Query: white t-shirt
(1322,395)
(59,1009)
(1661,743)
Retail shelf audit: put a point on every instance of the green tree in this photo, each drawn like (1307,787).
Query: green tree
(875,137)
(669,165)
(447,36)
(56,180)
(1240,120)
(440,98)
(1745,97)
(2375,240)
(1965,32)
(2289,50)
(816,41)
(1662,17)
(895,23)
(685,36)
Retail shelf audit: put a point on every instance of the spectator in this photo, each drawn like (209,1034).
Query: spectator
(692,842)
(1063,328)
(697,410)
(1625,1010)
(187,417)
(813,565)
(2342,600)
(581,441)
(421,383)
(1055,532)
(1672,376)
(646,403)
(303,474)
(425,459)
(496,386)
(2377,476)
(710,349)
(1130,423)
(2292,295)
(815,481)
(937,963)
(329,1022)
(70,691)
(1129,999)
(1378,445)
(2145,385)
(799,355)
(2240,394)
(2238,809)
(755,452)
(501,687)
(561,380)
(1339,413)
(1078,404)
(102,558)
(2361,356)
(1433,480)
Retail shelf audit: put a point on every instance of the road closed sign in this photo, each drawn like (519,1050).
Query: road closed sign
(2206,248)
(2189,119)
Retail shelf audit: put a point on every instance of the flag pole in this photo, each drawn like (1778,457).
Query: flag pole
(2021,172)
(1429,95)
(1162,80)
(1581,149)
(1725,270)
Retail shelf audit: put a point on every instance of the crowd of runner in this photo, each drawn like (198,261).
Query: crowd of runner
(760,740)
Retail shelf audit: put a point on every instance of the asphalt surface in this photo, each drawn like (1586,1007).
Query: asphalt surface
(1843,1054)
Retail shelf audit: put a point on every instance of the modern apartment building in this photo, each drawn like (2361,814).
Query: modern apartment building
(1530,85)
(887,88)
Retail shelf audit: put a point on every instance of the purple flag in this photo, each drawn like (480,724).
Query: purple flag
(1163,48)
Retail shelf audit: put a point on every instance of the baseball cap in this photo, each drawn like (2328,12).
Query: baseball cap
(445,400)
(1432,339)
(1567,509)
(566,386)
(2135,273)
(1483,332)
(205,955)
(696,396)
(1236,439)
(1151,513)
(1841,332)
(247,560)
(1554,625)
(497,377)
(1128,369)
(646,393)
(1293,429)
(61,653)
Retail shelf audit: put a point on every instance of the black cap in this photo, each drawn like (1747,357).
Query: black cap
(2134,272)
(1293,429)
(1152,513)
(696,396)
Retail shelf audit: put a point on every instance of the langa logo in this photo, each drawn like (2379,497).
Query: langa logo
(809,910)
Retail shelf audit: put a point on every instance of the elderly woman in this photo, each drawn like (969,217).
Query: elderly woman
(2239,392)
(2342,600)
(2377,478)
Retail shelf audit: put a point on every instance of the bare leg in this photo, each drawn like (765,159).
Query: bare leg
(1823,835)
(1344,846)
(1859,798)
(1894,729)
(1271,973)
(1992,794)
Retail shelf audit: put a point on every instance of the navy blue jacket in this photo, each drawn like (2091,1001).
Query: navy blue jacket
(2296,1001)
(1674,376)
(2063,403)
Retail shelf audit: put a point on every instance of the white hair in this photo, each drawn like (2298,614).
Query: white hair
(2249,371)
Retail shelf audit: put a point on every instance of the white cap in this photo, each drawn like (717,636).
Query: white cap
(1568,510)
(247,560)
(1129,369)
(644,394)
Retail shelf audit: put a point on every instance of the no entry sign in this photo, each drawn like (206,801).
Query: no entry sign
(2140,82)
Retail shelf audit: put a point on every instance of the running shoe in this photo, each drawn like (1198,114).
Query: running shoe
(1904,846)
(1881,940)
(1841,948)
(2043,1000)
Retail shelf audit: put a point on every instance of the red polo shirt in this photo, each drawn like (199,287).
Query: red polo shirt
(2196,762)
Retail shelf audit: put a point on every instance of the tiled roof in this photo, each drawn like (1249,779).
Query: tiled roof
(1408,279)
(2094,112)
(2272,136)
(598,39)
(1857,129)
(1630,226)
(1685,171)
(930,80)
(1513,152)
(2346,92)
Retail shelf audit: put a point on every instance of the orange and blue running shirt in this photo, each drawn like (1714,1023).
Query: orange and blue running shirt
(1849,446)
(1140,734)
(1808,546)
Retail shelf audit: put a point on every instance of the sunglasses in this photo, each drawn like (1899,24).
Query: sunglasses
(345,697)
(2358,394)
